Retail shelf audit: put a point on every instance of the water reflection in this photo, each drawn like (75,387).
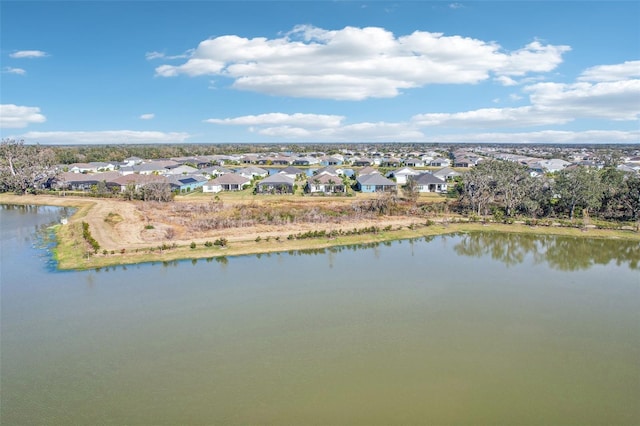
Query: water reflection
(560,253)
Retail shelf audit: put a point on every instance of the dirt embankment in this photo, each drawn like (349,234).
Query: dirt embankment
(118,224)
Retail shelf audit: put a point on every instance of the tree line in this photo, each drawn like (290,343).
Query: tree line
(507,189)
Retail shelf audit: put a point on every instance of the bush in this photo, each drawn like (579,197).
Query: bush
(193,245)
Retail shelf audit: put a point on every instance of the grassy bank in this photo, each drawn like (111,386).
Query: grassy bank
(73,251)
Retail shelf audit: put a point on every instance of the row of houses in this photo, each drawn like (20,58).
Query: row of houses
(327,180)
(133,165)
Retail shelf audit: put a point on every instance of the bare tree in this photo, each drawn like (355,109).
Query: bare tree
(24,167)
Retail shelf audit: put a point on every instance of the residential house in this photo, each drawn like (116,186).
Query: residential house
(331,161)
(330,170)
(368,171)
(227,182)
(325,183)
(81,168)
(440,162)
(139,180)
(132,161)
(414,162)
(252,171)
(390,162)
(181,170)
(550,166)
(276,184)
(426,182)
(84,181)
(446,174)
(375,182)
(401,175)
(216,171)
(186,183)
(305,161)
(362,162)
(292,172)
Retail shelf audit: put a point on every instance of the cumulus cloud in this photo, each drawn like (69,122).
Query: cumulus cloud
(490,117)
(626,70)
(104,137)
(551,104)
(545,136)
(16,116)
(359,63)
(147,116)
(11,70)
(280,119)
(615,100)
(28,54)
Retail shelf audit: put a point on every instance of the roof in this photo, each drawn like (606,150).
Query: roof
(229,179)
(277,179)
(292,170)
(368,170)
(140,179)
(446,171)
(427,179)
(324,178)
(375,179)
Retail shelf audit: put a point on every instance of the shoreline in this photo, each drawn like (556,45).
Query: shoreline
(71,251)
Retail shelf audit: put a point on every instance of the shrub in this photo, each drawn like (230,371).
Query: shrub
(193,245)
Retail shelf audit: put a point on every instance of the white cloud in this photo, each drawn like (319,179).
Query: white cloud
(15,116)
(551,104)
(28,54)
(546,136)
(147,117)
(160,55)
(626,70)
(490,117)
(358,63)
(615,100)
(11,70)
(506,81)
(104,137)
(534,57)
(276,118)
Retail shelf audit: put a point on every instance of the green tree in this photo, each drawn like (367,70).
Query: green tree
(578,187)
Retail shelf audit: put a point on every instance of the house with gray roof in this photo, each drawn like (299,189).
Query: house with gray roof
(427,182)
(276,184)
(252,171)
(446,173)
(375,182)
(226,182)
(401,175)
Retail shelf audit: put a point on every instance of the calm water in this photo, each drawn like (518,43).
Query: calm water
(469,329)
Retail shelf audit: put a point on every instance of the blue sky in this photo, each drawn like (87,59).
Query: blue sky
(82,72)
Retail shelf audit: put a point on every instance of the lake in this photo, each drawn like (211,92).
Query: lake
(459,329)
